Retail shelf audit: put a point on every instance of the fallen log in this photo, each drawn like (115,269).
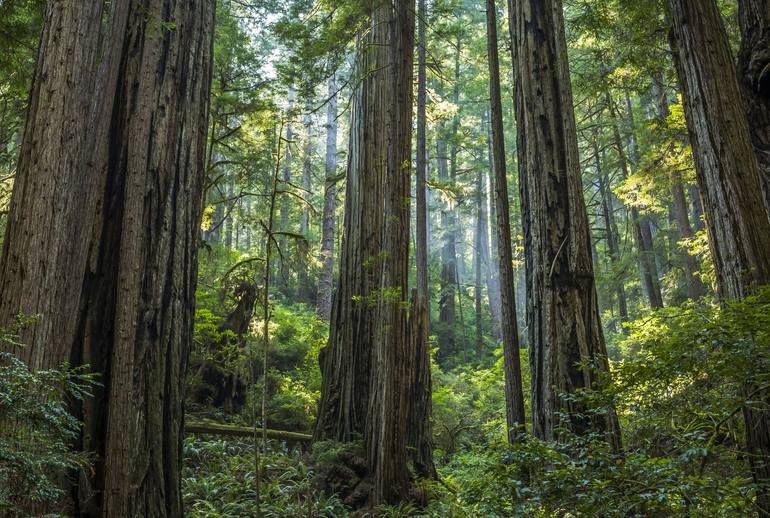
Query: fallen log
(196,427)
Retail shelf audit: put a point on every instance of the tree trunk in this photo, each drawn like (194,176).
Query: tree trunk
(695,287)
(754,78)
(514,394)
(283,222)
(133,163)
(562,311)
(613,248)
(447,309)
(391,38)
(730,181)
(419,428)
(493,270)
(305,290)
(640,224)
(325,278)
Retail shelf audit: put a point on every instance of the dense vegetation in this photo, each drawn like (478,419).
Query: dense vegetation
(409,258)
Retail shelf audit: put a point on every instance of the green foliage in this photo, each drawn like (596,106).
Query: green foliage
(218,482)
(579,476)
(37,432)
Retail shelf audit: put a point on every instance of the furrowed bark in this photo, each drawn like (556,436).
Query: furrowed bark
(567,350)
(731,185)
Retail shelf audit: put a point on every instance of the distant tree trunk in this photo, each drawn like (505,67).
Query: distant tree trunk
(730,181)
(480,243)
(419,428)
(696,203)
(514,394)
(754,78)
(447,308)
(391,38)
(133,162)
(229,216)
(608,213)
(325,278)
(640,224)
(493,270)
(307,169)
(454,149)
(695,287)
(283,224)
(562,310)
(305,290)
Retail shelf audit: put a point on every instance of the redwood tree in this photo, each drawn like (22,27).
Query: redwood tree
(567,349)
(115,165)
(729,179)
(367,365)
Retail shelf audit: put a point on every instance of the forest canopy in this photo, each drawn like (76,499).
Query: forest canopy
(436,258)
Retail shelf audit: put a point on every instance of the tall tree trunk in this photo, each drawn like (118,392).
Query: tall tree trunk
(135,160)
(458,242)
(754,78)
(283,222)
(447,307)
(305,290)
(608,213)
(695,287)
(730,181)
(514,393)
(419,428)
(392,32)
(325,278)
(493,270)
(562,311)
(640,224)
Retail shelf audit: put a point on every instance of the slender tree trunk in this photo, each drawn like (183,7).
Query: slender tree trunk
(514,393)
(283,222)
(493,270)
(457,242)
(305,290)
(420,438)
(754,78)
(640,224)
(613,248)
(447,308)
(562,311)
(133,163)
(695,287)
(325,278)
(730,180)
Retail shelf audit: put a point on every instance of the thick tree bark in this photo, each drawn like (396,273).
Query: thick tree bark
(368,365)
(754,78)
(567,350)
(730,181)
(514,393)
(132,161)
(345,362)
(392,33)
(325,278)
(420,432)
